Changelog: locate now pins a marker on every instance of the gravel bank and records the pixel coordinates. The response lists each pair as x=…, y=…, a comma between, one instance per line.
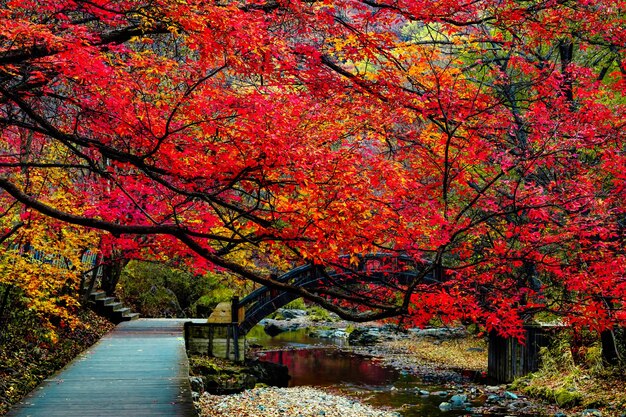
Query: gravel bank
x=286, y=402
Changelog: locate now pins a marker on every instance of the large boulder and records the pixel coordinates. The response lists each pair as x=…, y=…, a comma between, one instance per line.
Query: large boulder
x=458, y=402
x=366, y=336
x=291, y=313
x=269, y=373
x=275, y=327
x=197, y=384
x=220, y=376
x=440, y=332
x=329, y=334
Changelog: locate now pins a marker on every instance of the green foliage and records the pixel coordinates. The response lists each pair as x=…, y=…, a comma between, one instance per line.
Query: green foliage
x=575, y=379
x=221, y=375
x=567, y=397
x=16, y=317
x=156, y=290
x=204, y=365
x=593, y=358
x=474, y=329
x=205, y=304
x=146, y=287
x=350, y=328
x=557, y=357
x=214, y=291
x=565, y=393
x=276, y=315
x=317, y=313
x=297, y=304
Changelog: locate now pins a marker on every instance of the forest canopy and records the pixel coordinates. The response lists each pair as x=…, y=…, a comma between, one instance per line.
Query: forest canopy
x=483, y=139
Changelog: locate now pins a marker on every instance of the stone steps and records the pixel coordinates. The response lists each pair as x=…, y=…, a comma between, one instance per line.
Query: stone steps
x=110, y=308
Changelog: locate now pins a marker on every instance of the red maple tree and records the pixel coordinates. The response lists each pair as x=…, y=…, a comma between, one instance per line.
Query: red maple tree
x=484, y=139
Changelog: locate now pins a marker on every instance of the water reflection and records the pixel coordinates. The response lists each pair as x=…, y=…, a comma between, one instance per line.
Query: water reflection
x=296, y=338
x=353, y=375
x=360, y=377
x=324, y=367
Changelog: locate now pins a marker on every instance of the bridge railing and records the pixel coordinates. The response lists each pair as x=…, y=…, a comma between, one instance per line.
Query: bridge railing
x=384, y=269
x=89, y=260
x=380, y=265
x=219, y=340
x=268, y=299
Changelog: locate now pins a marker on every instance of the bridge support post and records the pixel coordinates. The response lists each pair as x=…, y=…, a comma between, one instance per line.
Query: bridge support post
x=228, y=332
x=210, y=344
x=235, y=326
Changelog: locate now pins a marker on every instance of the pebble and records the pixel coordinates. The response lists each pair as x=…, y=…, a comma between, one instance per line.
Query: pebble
x=458, y=401
x=445, y=406
x=285, y=402
x=510, y=395
x=493, y=399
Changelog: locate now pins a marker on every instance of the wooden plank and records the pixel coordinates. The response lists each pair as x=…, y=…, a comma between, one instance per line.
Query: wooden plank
x=139, y=369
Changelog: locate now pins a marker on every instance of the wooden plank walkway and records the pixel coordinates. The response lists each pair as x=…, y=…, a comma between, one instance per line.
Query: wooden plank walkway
x=139, y=369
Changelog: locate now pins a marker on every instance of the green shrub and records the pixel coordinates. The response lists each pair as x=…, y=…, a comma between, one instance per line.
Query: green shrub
x=317, y=313
x=564, y=376
x=157, y=290
x=203, y=365
x=297, y=304
x=205, y=304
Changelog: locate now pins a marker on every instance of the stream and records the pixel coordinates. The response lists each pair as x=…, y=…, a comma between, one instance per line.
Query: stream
x=319, y=362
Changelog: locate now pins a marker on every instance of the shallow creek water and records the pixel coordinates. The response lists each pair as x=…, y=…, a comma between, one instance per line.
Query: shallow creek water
x=318, y=362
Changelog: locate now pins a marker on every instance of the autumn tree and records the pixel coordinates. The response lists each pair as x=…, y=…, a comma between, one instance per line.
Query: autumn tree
x=482, y=139
x=41, y=266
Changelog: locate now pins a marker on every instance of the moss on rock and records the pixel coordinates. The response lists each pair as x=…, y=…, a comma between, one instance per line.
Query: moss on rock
x=567, y=397
x=221, y=376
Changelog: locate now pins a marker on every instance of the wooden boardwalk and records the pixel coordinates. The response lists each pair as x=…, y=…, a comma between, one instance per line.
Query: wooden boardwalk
x=139, y=369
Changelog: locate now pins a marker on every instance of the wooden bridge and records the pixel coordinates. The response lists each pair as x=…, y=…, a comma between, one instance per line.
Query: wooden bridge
x=380, y=269
x=507, y=357
x=228, y=324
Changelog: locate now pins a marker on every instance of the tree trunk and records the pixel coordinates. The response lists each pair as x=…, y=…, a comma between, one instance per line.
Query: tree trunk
x=614, y=346
x=112, y=271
